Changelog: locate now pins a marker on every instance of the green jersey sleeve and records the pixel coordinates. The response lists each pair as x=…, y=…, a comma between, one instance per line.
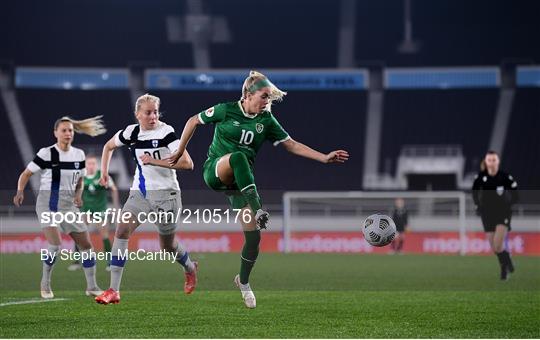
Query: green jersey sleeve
x=276, y=134
x=215, y=114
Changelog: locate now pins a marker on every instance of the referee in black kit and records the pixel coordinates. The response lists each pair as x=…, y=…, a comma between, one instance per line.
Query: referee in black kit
x=494, y=192
x=401, y=219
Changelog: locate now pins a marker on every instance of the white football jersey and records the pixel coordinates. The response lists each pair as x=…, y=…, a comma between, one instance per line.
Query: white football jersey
x=60, y=172
x=159, y=143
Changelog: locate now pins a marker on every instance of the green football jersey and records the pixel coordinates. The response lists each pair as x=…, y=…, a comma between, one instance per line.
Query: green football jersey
x=94, y=194
x=238, y=131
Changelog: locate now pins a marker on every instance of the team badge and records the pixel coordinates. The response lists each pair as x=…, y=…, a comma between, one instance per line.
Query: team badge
x=155, y=143
x=500, y=191
x=259, y=127
x=484, y=178
x=77, y=164
x=209, y=112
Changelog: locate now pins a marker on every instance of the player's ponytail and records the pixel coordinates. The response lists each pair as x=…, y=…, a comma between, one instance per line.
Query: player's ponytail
x=255, y=81
x=91, y=126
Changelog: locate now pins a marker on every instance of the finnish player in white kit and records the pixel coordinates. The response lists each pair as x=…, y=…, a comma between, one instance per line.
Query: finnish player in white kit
x=155, y=189
x=62, y=168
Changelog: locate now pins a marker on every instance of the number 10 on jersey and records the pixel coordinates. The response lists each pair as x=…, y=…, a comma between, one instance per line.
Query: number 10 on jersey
x=246, y=137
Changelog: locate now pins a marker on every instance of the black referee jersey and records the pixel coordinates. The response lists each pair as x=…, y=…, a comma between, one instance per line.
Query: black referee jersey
x=494, y=197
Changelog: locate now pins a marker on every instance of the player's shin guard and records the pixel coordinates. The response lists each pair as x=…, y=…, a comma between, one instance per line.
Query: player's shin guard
x=48, y=263
x=183, y=258
x=118, y=260
x=89, y=266
x=250, y=252
x=245, y=180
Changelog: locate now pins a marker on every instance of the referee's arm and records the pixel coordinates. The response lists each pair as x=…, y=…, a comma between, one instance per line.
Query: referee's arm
x=512, y=186
x=477, y=185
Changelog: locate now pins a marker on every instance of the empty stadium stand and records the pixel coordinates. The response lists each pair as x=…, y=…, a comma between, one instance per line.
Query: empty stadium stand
x=9, y=174
x=446, y=117
x=87, y=32
x=522, y=149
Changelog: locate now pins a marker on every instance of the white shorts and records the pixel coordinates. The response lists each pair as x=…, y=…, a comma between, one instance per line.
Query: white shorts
x=168, y=203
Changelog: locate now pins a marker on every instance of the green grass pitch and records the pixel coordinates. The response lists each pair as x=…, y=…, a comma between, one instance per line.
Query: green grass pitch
x=298, y=296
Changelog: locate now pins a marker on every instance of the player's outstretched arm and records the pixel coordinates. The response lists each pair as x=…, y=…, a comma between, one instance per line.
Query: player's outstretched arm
x=21, y=184
x=187, y=133
x=297, y=148
x=77, y=200
x=106, y=156
x=115, y=195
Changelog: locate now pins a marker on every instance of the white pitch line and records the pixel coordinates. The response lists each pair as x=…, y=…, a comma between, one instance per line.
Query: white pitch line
x=25, y=302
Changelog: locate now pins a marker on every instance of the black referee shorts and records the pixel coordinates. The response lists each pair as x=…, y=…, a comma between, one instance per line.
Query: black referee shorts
x=490, y=221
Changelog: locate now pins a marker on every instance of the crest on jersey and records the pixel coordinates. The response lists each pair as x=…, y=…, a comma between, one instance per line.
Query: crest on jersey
x=155, y=143
x=259, y=127
x=500, y=190
x=77, y=165
x=209, y=112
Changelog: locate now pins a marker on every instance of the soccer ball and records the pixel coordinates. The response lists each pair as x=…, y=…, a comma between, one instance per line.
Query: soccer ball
x=379, y=230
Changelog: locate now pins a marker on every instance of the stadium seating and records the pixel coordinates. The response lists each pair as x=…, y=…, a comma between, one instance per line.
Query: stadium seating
x=522, y=147
x=86, y=32
x=9, y=174
x=485, y=33
x=273, y=37
x=423, y=117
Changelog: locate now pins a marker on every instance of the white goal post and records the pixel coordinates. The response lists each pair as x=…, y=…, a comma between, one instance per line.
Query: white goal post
x=313, y=207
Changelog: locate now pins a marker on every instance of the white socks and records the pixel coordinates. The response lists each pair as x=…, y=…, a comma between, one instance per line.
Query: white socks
x=119, y=248
x=182, y=257
x=89, y=267
x=48, y=264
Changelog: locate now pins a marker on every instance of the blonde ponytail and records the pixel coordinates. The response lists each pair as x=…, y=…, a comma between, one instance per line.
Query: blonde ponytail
x=91, y=126
x=256, y=81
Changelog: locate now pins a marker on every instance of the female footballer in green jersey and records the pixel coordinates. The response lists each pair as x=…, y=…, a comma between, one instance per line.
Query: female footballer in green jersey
x=241, y=127
x=95, y=201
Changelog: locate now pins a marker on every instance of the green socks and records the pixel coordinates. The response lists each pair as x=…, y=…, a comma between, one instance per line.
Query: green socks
x=249, y=254
x=245, y=180
x=107, y=245
x=246, y=183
